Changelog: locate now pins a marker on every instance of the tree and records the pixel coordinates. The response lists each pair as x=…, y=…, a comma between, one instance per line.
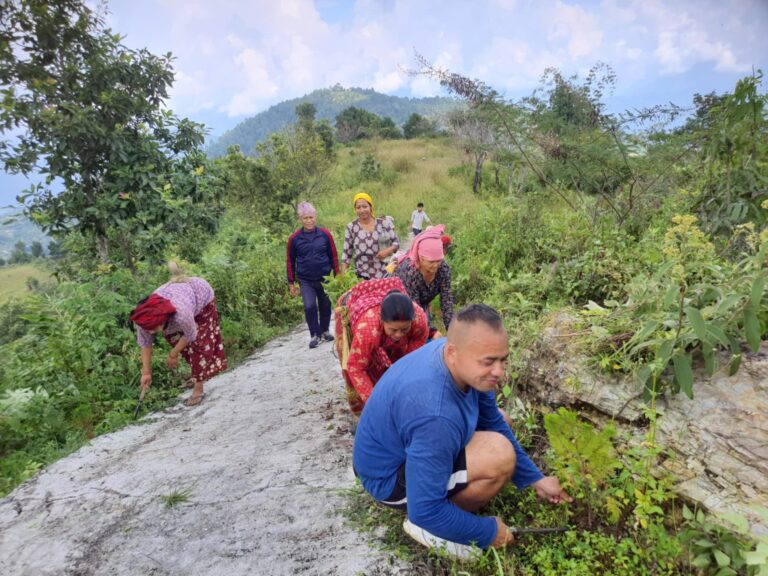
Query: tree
x=306, y=112
x=55, y=250
x=325, y=132
x=388, y=129
x=89, y=115
x=19, y=253
x=36, y=249
x=355, y=124
x=476, y=135
x=733, y=179
x=297, y=164
x=417, y=125
x=248, y=183
x=2, y=262
x=308, y=127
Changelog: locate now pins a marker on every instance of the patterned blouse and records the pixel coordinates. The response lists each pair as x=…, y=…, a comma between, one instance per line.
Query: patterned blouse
x=189, y=298
x=365, y=245
x=424, y=293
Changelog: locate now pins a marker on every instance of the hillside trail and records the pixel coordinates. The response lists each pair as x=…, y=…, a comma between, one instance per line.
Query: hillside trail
x=264, y=462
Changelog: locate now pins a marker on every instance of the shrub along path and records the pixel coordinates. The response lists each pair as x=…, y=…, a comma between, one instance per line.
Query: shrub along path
x=254, y=478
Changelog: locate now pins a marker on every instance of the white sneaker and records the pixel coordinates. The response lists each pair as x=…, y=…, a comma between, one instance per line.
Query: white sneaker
x=429, y=540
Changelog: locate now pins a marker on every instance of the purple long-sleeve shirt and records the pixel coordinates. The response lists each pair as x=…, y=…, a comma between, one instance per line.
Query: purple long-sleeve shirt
x=189, y=298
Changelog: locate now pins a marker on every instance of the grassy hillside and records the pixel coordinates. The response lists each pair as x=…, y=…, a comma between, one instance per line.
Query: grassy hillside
x=329, y=102
x=410, y=171
x=13, y=279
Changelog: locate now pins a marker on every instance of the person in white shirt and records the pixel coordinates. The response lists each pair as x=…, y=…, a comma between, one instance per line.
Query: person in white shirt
x=418, y=217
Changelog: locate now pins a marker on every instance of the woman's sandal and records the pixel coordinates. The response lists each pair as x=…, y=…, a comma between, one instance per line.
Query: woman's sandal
x=194, y=400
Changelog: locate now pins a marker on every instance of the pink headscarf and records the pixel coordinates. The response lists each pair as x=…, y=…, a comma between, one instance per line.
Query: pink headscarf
x=305, y=209
x=428, y=245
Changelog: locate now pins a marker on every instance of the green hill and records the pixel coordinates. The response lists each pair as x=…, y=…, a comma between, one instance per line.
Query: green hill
x=329, y=102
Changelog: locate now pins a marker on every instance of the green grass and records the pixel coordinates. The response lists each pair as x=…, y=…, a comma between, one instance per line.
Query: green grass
x=414, y=171
x=13, y=279
x=176, y=497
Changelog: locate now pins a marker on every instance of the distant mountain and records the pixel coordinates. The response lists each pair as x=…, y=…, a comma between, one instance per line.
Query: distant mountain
x=14, y=226
x=329, y=102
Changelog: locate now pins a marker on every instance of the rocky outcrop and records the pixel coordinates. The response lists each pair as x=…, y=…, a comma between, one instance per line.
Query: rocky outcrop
x=719, y=439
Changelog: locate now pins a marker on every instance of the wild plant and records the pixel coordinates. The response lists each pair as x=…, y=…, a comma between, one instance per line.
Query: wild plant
x=584, y=459
x=695, y=304
x=723, y=546
x=176, y=497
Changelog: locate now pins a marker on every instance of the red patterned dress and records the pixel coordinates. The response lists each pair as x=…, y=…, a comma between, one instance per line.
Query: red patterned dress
x=371, y=350
x=197, y=320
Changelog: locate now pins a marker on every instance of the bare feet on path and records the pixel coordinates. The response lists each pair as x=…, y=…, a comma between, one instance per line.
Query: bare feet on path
x=249, y=482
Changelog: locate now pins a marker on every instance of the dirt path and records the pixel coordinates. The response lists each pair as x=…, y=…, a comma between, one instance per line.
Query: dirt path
x=264, y=460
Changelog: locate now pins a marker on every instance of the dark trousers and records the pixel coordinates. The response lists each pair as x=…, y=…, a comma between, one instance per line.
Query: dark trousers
x=317, y=306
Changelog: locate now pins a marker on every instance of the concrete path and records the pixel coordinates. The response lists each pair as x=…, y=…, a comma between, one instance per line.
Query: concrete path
x=264, y=461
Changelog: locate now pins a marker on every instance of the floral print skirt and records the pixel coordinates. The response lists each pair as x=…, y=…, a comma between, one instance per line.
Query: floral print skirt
x=206, y=354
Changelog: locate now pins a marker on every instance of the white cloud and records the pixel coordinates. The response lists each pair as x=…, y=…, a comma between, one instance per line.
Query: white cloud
x=299, y=65
x=245, y=55
x=423, y=87
x=623, y=52
x=579, y=27
x=619, y=15
x=687, y=38
x=387, y=82
x=258, y=86
x=509, y=5
x=191, y=89
x=448, y=59
x=513, y=65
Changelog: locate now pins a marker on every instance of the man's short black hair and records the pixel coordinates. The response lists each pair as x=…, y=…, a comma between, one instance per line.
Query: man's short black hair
x=475, y=313
x=420, y=205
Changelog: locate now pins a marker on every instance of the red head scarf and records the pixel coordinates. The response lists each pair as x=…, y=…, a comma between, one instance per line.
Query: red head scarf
x=370, y=293
x=152, y=312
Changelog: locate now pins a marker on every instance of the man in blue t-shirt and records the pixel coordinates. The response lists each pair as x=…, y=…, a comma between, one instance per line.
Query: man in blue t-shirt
x=431, y=439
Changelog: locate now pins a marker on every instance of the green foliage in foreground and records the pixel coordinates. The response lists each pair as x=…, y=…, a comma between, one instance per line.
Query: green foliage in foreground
x=639, y=540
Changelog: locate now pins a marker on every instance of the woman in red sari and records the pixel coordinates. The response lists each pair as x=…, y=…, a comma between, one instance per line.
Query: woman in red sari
x=384, y=325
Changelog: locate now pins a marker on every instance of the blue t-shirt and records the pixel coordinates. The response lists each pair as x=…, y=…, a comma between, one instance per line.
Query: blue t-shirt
x=417, y=415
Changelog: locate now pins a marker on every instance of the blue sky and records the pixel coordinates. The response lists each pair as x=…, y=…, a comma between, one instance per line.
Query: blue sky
x=235, y=58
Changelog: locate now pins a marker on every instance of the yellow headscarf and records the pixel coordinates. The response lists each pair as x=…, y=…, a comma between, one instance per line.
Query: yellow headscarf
x=363, y=196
